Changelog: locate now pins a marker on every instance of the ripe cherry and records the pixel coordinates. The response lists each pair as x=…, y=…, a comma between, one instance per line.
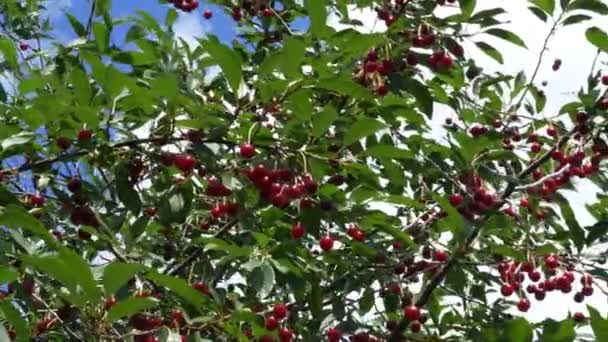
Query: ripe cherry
x=280, y=311
x=207, y=14
x=578, y=317
x=24, y=46
x=37, y=200
x=247, y=150
x=535, y=147
x=411, y=313
x=201, y=287
x=551, y=131
x=109, y=302
x=85, y=135
x=285, y=335
x=326, y=243
x=271, y=323
x=507, y=290
x=267, y=12
x=605, y=80
x=334, y=335
x=524, y=202
x=456, y=200
x=184, y=162
x=63, y=143
x=74, y=185
x=441, y=256
x=297, y=230
x=523, y=305
x=415, y=327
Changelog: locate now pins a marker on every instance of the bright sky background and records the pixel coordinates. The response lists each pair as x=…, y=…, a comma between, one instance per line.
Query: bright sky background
x=569, y=45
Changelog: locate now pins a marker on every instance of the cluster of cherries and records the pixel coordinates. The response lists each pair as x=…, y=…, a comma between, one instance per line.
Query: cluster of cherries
x=372, y=71
x=272, y=321
x=185, y=5
x=512, y=276
x=281, y=186
x=481, y=198
x=251, y=8
x=334, y=334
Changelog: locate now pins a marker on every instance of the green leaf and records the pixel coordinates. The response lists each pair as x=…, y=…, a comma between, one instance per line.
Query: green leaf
x=597, y=231
x=490, y=51
x=366, y=302
x=362, y=128
x=538, y=13
x=546, y=5
x=519, y=330
x=76, y=25
x=14, y=318
x=59, y=271
x=300, y=104
x=17, y=217
x=598, y=38
x=575, y=19
x=181, y=288
x=9, y=51
x=454, y=219
x=506, y=35
x=599, y=324
x=227, y=59
x=171, y=17
x=130, y=306
x=388, y=151
x=424, y=99
x=576, y=232
x=558, y=331
x=82, y=88
x=20, y=138
x=102, y=36
x=117, y=274
x=292, y=56
x=125, y=191
x=84, y=277
x=564, y=3
x=323, y=120
x=3, y=95
x=7, y=275
x=177, y=204
x=597, y=6
x=467, y=7
x=262, y=279
x=345, y=86
x=317, y=11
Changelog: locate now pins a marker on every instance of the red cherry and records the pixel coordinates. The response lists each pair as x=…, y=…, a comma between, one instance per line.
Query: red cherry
x=497, y=123
x=201, y=287
x=37, y=200
x=24, y=46
x=247, y=150
x=441, y=256
x=535, y=147
x=382, y=89
x=524, y=202
x=507, y=290
x=280, y=311
x=456, y=200
x=551, y=131
x=415, y=327
x=326, y=243
x=523, y=305
x=285, y=335
x=218, y=211
x=184, y=162
x=267, y=12
x=266, y=338
x=534, y=276
x=411, y=313
x=587, y=291
x=150, y=211
x=297, y=230
x=85, y=135
x=271, y=323
x=63, y=143
x=334, y=335
x=74, y=185
x=605, y=80
x=109, y=302
x=370, y=67
x=207, y=14
x=579, y=316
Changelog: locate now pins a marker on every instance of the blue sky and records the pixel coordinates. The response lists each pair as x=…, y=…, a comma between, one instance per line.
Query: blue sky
x=188, y=25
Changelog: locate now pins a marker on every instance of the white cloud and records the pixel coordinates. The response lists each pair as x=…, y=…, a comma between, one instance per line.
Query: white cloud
x=367, y=18
x=190, y=27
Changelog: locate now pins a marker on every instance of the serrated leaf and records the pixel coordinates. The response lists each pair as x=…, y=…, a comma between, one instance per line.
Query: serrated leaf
x=227, y=59
x=317, y=12
x=597, y=6
x=490, y=51
x=558, y=331
x=14, y=318
x=546, y=5
x=467, y=7
x=262, y=279
x=125, y=191
x=76, y=25
x=597, y=231
x=576, y=232
x=388, y=151
x=519, y=330
x=599, y=324
x=597, y=37
x=366, y=302
x=538, y=13
x=181, y=288
x=130, y=306
x=345, y=86
x=9, y=51
x=506, y=35
x=323, y=120
x=424, y=99
x=362, y=128
x=7, y=275
x=292, y=56
x=102, y=36
x=575, y=19
x=117, y=274
x=84, y=276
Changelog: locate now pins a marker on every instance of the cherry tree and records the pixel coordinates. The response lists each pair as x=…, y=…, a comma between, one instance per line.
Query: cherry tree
x=290, y=185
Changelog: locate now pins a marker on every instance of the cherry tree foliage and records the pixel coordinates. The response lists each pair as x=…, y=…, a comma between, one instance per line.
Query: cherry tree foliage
x=301, y=193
